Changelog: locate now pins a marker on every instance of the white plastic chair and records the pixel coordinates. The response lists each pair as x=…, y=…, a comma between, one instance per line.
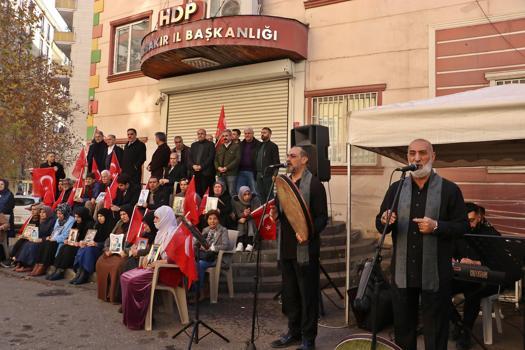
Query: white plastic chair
x=179, y=294
x=487, y=305
x=215, y=271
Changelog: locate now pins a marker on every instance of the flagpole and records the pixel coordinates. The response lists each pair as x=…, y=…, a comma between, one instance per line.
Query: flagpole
x=257, y=245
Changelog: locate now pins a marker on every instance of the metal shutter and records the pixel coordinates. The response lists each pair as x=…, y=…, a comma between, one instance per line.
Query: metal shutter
x=256, y=104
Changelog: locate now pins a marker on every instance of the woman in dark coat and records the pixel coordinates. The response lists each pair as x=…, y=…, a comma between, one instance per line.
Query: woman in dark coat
x=224, y=207
x=66, y=256
x=7, y=205
x=149, y=231
x=34, y=220
x=29, y=252
x=87, y=255
x=109, y=265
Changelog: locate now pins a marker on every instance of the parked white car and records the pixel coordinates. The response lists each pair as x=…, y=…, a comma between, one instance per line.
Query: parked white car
x=23, y=208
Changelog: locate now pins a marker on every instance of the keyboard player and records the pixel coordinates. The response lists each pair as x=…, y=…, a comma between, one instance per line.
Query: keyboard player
x=473, y=292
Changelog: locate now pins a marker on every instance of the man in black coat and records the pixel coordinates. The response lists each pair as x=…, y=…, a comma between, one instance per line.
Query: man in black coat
x=299, y=259
x=267, y=154
x=183, y=153
x=158, y=195
x=161, y=156
x=97, y=151
x=247, y=169
x=127, y=194
x=428, y=216
x=59, y=168
x=201, y=159
x=134, y=157
x=112, y=149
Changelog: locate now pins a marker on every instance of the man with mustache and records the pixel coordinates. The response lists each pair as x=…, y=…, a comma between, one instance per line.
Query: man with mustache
x=428, y=216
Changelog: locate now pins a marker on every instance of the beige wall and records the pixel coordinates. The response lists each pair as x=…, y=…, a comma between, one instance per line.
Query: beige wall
x=350, y=44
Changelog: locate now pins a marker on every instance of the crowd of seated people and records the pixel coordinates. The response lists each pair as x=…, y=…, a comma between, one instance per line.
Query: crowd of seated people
x=77, y=233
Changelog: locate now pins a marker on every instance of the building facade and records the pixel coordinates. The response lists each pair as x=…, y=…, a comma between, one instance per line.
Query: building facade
x=159, y=66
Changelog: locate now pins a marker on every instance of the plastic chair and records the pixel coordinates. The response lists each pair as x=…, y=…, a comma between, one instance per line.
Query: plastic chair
x=215, y=271
x=487, y=305
x=179, y=294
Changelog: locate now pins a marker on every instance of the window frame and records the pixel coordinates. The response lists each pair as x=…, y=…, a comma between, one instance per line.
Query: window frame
x=114, y=25
x=341, y=169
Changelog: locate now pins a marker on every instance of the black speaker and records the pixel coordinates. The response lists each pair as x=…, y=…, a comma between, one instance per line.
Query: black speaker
x=314, y=139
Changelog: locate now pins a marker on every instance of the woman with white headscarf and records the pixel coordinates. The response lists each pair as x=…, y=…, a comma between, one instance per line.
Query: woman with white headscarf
x=136, y=283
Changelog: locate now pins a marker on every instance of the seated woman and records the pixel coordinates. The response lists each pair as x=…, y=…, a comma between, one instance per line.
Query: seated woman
x=66, y=255
x=224, y=207
x=149, y=232
x=34, y=220
x=136, y=283
x=29, y=252
x=243, y=204
x=49, y=247
x=217, y=239
x=89, y=252
x=109, y=265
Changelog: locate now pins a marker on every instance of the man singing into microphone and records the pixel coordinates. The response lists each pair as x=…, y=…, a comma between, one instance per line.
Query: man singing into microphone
x=300, y=259
x=429, y=214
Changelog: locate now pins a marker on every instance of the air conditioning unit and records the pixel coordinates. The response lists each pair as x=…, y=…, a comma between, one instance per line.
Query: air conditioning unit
x=221, y=8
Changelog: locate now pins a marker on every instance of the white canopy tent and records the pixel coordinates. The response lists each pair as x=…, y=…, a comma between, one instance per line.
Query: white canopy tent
x=474, y=128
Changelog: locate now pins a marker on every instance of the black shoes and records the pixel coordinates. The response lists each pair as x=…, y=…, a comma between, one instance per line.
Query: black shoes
x=82, y=278
x=286, y=340
x=9, y=263
x=57, y=275
x=307, y=345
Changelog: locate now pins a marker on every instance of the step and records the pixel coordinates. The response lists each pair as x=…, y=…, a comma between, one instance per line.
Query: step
x=272, y=284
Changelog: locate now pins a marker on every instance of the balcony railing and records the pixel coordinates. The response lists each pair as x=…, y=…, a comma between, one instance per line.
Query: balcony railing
x=66, y=5
x=64, y=37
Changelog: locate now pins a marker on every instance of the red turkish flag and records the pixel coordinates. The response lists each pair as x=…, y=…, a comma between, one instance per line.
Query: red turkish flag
x=44, y=184
x=268, y=228
x=203, y=202
x=80, y=163
x=221, y=126
x=94, y=170
x=59, y=200
x=111, y=193
x=180, y=250
x=191, y=207
x=114, y=167
x=135, y=225
x=78, y=184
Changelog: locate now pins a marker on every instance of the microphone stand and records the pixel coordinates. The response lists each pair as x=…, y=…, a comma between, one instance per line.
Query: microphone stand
x=377, y=262
x=257, y=247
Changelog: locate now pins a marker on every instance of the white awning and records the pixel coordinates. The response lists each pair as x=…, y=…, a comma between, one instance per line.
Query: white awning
x=473, y=128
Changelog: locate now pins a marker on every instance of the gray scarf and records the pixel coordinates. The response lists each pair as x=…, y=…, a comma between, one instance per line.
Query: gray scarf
x=303, y=255
x=430, y=276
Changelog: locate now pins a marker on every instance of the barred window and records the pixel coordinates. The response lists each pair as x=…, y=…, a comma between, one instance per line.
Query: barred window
x=333, y=112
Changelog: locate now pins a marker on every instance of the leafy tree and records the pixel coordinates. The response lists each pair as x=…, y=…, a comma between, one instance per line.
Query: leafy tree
x=36, y=110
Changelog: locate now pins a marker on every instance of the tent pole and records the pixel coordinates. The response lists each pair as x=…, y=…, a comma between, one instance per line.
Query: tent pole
x=348, y=229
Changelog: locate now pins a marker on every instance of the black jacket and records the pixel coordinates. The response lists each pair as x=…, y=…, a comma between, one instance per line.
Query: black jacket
x=134, y=157
x=130, y=197
x=119, y=152
x=98, y=152
x=202, y=153
x=185, y=158
x=252, y=155
x=159, y=160
x=267, y=154
x=174, y=175
x=160, y=197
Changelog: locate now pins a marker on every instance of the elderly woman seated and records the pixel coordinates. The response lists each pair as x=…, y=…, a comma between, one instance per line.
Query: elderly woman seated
x=33, y=220
x=136, y=283
x=216, y=237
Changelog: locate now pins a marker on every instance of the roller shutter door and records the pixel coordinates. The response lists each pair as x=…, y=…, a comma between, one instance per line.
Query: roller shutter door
x=256, y=105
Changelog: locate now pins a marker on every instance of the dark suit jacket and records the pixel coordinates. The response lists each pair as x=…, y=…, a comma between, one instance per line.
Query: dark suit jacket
x=119, y=152
x=174, y=175
x=97, y=151
x=134, y=157
x=203, y=154
x=130, y=197
x=269, y=154
x=159, y=160
x=160, y=197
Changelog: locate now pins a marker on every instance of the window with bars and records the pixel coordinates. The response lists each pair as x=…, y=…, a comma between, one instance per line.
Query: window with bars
x=510, y=81
x=128, y=37
x=333, y=112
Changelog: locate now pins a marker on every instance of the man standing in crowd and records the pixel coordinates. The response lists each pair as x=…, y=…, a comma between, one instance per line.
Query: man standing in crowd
x=267, y=154
x=236, y=136
x=227, y=161
x=429, y=215
x=173, y=173
x=473, y=292
x=300, y=259
x=161, y=156
x=59, y=168
x=202, y=155
x=112, y=148
x=134, y=157
x=183, y=153
x=246, y=175
x=97, y=151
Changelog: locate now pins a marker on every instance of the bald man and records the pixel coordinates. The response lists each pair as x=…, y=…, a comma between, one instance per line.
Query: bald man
x=201, y=162
x=429, y=215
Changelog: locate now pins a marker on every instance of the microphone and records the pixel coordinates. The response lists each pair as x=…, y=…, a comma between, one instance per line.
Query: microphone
x=409, y=167
x=280, y=165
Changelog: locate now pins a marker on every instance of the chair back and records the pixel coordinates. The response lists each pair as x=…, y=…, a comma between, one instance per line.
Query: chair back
x=232, y=236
